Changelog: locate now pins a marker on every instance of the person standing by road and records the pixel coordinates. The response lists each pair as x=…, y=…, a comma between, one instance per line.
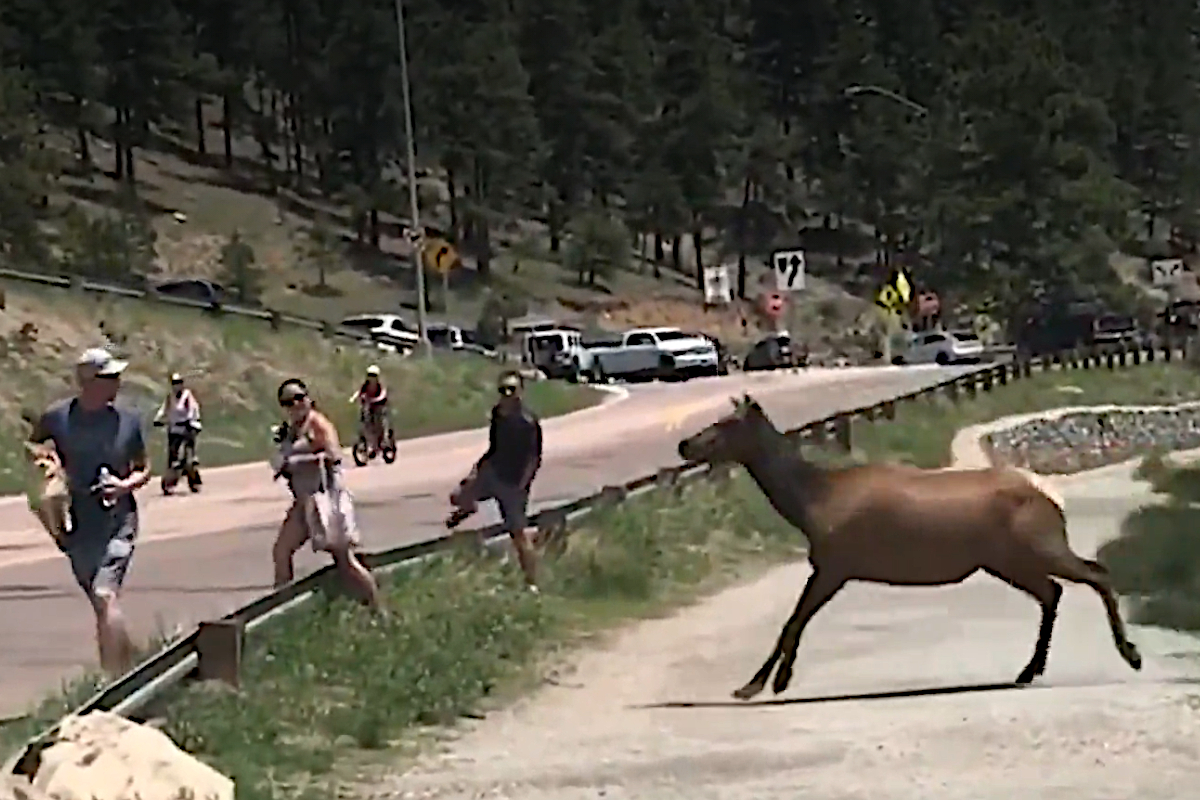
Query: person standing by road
x=506, y=471
x=103, y=452
x=310, y=458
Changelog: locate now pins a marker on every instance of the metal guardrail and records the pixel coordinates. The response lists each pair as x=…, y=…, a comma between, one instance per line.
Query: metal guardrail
x=176, y=662
x=275, y=319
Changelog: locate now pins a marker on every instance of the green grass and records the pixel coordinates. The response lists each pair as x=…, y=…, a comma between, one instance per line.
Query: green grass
x=462, y=630
x=328, y=691
x=234, y=366
x=1156, y=559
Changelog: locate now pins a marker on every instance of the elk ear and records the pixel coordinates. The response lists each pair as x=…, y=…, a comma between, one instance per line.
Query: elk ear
x=736, y=403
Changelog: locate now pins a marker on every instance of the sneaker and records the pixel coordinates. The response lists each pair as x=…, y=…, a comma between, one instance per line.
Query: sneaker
x=534, y=589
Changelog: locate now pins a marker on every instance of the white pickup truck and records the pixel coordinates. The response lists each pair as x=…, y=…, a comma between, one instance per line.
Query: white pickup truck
x=686, y=355
x=639, y=354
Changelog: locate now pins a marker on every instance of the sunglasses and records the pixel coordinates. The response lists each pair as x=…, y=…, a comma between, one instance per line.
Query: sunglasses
x=292, y=401
x=507, y=390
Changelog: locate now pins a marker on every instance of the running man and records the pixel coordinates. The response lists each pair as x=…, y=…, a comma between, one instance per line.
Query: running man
x=94, y=437
x=506, y=471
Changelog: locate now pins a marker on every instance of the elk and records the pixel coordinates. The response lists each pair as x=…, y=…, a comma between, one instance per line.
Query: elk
x=901, y=525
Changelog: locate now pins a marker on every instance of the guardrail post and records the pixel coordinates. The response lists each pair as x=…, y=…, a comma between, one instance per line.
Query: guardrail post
x=77, y=284
x=327, y=329
x=1136, y=355
x=1111, y=359
x=219, y=651
x=843, y=430
x=815, y=432
x=1167, y=346
x=951, y=392
x=276, y=320
x=610, y=496
x=986, y=380
x=1002, y=374
x=969, y=385
x=552, y=531
x=1150, y=352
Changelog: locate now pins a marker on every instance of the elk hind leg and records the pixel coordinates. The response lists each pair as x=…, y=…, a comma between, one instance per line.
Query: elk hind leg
x=1048, y=593
x=817, y=592
x=1092, y=573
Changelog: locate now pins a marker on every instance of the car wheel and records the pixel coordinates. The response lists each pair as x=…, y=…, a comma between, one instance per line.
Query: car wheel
x=942, y=358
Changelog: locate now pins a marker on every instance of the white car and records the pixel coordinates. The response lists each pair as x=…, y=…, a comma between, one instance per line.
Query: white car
x=390, y=331
x=942, y=347
x=690, y=354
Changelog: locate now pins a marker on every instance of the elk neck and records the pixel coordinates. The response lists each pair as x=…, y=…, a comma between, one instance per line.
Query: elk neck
x=795, y=486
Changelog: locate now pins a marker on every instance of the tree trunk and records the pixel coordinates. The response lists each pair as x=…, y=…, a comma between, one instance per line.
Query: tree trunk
x=85, y=150
x=451, y=190
x=119, y=143
x=747, y=189
x=554, y=223
x=130, y=176
x=658, y=251
x=227, y=127
x=198, y=111
x=677, y=252
x=697, y=243
x=374, y=227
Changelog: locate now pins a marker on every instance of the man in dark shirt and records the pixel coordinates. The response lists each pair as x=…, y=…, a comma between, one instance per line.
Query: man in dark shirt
x=506, y=471
x=94, y=437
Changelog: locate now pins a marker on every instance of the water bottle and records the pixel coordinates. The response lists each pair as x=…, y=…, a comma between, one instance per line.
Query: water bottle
x=103, y=479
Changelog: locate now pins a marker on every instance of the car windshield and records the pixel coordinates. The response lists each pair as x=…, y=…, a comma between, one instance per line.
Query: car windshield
x=1112, y=322
x=439, y=336
x=965, y=336
x=666, y=336
x=548, y=344
x=362, y=322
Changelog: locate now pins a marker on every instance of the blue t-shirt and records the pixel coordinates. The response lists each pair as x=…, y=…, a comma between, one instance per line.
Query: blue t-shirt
x=86, y=441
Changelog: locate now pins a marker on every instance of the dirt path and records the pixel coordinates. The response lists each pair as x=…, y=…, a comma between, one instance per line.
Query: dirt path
x=1091, y=728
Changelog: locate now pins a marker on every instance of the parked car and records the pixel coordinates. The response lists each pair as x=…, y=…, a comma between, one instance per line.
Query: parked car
x=774, y=351
x=942, y=347
x=389, y=330
x=196, y=289
x=563, y=353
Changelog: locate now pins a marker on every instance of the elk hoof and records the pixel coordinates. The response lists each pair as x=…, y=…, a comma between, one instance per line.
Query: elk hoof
x=749, y=690
x=1132, y=656
x=1029, y=673
x=782, y=678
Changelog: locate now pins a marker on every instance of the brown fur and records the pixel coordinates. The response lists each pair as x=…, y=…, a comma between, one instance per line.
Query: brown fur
x=905, y=526
x=49, y=503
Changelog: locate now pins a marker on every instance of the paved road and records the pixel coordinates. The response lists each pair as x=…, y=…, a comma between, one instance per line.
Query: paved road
x=1090, y=728
x=202, y=556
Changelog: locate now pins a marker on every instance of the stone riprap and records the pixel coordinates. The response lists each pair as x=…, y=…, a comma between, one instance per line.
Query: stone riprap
x=1085, y=440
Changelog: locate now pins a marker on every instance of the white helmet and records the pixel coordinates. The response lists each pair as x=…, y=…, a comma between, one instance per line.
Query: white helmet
x=372, y=371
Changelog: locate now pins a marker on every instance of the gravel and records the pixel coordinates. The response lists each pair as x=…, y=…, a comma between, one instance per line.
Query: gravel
x=1087, y=440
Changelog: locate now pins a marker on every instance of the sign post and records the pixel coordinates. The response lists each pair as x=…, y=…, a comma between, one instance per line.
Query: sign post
x=790, y=268
x=893, y=298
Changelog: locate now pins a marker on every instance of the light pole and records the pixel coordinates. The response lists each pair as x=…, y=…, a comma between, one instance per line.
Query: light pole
x=912, y=105
x=415, y=236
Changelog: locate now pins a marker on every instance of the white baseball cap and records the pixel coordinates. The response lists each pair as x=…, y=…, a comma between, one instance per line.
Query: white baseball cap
x=99, y=363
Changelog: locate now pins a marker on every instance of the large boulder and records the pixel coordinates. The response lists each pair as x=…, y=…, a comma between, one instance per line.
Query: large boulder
x=101, y=756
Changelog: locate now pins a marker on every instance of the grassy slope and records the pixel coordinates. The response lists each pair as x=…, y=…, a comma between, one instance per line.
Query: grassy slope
x=234, y=366
x=464, y=635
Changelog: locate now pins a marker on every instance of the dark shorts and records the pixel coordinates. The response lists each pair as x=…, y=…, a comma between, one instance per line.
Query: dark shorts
x=100, y=551
x=512, y=500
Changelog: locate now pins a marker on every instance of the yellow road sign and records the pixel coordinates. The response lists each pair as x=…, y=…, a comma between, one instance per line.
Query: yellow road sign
x=894, y=296
x=439, y=255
